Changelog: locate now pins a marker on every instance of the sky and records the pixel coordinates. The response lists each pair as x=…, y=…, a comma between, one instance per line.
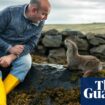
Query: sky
x=69, y=11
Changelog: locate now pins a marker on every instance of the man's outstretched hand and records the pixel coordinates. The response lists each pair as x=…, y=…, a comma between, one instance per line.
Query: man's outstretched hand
x=14, y=51
x=6, y=61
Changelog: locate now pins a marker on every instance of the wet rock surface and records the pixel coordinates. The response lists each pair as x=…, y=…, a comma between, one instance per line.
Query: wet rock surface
x=47, y=84
x=42, y=76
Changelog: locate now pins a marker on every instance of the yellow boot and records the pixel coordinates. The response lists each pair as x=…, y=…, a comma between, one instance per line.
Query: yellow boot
x=2, y=93
x=10, y=83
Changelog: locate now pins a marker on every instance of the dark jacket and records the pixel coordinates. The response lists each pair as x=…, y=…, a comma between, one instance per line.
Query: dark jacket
x=16, y=29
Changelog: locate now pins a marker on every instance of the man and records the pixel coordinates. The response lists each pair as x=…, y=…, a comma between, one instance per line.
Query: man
x=20, y=29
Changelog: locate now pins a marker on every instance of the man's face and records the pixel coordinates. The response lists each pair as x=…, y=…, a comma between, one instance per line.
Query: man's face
x=41, y=13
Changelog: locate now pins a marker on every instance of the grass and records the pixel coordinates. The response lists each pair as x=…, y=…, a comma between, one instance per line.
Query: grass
x=98, y=28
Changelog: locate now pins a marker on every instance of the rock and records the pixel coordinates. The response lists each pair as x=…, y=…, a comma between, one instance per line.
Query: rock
x=100, y=36
x=57, y=55
x=52, y=40
x=94, y=40
x=42, y=76
x=72, y=33
x=49, y=84
x=98, y=50
x=52, y=32
x=81, y=52
x=82, y=44
x=90, y=36
x=41, y=50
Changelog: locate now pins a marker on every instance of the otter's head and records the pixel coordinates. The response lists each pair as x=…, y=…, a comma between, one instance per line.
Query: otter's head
x=71, y=46
x=68, y=43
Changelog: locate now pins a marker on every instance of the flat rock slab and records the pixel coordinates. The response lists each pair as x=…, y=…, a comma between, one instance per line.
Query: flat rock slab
x=42, y=76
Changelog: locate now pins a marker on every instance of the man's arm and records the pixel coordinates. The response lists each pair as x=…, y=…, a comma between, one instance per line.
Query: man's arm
x=32, y=43
x=4, y=21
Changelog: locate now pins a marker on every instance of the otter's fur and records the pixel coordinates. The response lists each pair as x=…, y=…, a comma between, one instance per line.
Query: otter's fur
x=82, y=62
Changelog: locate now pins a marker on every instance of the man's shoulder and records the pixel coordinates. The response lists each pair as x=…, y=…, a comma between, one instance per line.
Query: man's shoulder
x=15, y=7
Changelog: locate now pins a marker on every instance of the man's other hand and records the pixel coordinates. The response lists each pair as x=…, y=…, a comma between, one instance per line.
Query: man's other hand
x=6, y=61
x=17, y=49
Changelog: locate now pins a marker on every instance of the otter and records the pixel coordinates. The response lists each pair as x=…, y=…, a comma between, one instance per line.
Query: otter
x=75, y=61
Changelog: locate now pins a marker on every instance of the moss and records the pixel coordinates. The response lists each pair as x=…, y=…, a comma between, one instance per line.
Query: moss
x=57, y=96
x=99, y=74
x=44, y=59
x=39, y=58
x=75, y=75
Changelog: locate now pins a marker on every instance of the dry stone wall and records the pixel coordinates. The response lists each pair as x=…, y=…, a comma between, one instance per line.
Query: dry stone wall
x=51, y=44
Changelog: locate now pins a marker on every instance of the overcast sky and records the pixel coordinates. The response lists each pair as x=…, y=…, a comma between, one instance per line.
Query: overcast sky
x=69, y=11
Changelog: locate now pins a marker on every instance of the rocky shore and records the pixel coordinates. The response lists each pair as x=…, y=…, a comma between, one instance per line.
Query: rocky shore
x=49, y=82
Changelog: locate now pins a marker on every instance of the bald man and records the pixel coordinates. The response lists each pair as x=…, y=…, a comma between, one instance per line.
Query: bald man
x=20, y=30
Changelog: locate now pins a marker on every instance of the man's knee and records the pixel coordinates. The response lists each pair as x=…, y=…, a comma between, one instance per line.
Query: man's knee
x=24, y=62
x=21, y=66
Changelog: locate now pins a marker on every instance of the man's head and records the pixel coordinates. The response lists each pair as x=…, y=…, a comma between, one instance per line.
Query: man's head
x=38, y=10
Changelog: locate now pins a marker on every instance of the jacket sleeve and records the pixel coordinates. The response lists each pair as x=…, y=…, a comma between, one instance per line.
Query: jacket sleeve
x=4, y=21
x=32, y=43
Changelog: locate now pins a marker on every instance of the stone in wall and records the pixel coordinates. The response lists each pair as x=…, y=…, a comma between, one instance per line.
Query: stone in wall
x=72, y=33
x=98, y=50
x=57, y=55
x=94, y=40
x=41, y=49
x=78, y=37
x=81, y=52
x=52, y=40
x=100, y=36
x=52, y=32
x=82, y=44
x=97, y=41
x=89, y=43
x=90, y=36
